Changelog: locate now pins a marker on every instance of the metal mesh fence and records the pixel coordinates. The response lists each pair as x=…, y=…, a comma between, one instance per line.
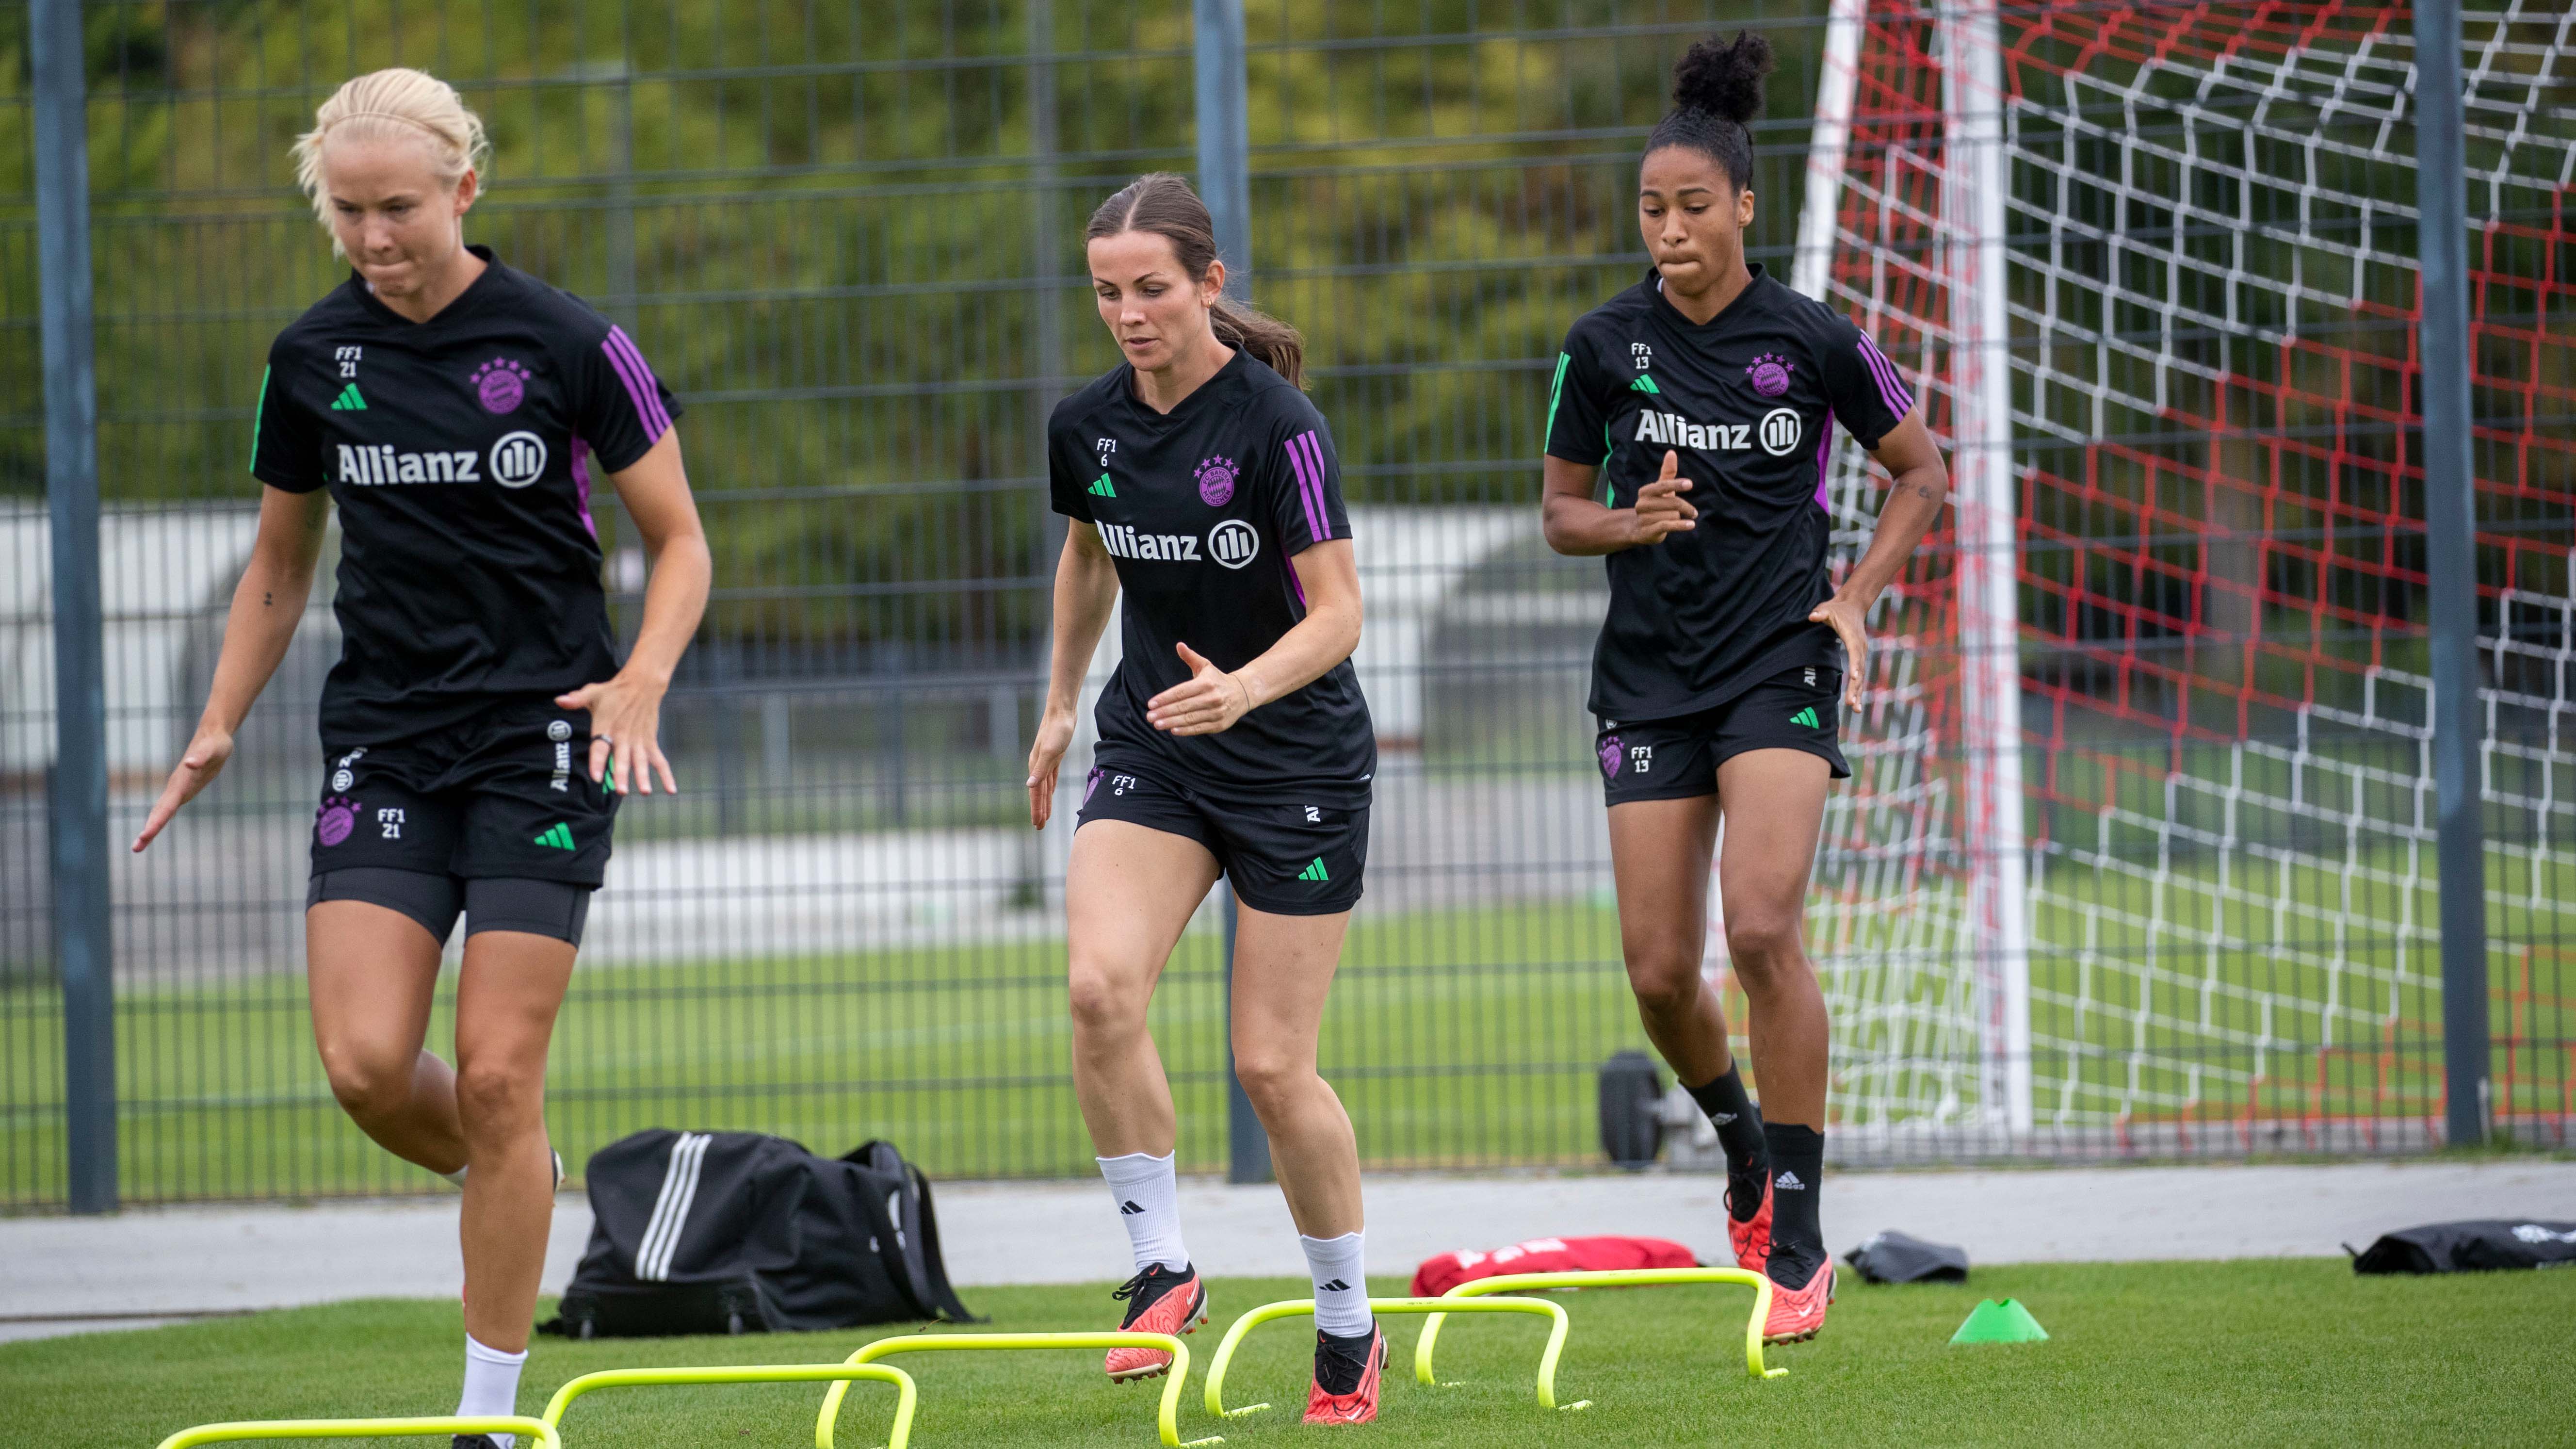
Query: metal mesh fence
x=848, y=238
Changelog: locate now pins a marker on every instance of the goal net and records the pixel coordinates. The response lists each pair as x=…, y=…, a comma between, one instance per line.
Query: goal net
x=2152, y=269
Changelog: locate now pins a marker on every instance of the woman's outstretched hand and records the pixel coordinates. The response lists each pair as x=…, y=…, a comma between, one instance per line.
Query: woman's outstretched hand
x=1849, y=620
x=197, y=768
x=625, y=734
x=1207, y=703
x=1046, y=756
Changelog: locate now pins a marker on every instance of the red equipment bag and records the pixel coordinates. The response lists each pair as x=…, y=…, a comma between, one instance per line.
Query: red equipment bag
x=1547, y=1255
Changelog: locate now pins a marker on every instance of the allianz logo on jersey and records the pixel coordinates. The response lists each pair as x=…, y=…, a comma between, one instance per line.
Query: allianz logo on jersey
x=1232, y=543
x=516, y=460
x=1778, y=433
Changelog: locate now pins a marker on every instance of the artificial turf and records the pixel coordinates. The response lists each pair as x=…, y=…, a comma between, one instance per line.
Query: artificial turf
x=2247, y=1353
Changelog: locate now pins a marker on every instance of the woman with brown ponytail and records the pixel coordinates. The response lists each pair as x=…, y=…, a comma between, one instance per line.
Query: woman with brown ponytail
x=1233, y=742
x=1708, y=393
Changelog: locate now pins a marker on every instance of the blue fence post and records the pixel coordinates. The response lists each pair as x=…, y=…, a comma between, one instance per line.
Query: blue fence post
x=1225, y=184
x=1247, y=1143
x=2450, y=525
x=78, y=800
x=1225, y=139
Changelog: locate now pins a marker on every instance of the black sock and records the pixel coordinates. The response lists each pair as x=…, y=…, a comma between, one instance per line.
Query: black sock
x=1797, y=1176
x=1739, y=1131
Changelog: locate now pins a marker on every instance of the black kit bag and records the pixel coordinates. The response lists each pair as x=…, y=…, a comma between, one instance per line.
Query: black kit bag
x=1894, y=1257
x=2470, y=1247
x=737, y=1232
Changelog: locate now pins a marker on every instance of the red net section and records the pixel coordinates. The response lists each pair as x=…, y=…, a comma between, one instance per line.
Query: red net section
x=2223, y=592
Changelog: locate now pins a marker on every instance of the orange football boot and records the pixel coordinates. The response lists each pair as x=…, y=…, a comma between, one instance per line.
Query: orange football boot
x=1752, y=1238
x=1796, y=1313
x=1158, y=1301
x=1334, y=1359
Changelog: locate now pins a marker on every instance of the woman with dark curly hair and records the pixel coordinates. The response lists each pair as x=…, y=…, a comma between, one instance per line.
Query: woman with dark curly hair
x=1707, y=393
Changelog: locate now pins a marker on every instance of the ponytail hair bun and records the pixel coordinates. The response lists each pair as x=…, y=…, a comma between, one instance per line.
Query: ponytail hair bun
x=1717, y=91
x=1724, y=78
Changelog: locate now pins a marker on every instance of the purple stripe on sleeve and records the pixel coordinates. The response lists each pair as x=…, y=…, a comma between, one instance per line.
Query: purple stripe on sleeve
x=1305, y=489
x=660, y=417
x=625, y=374
x=1296, y=583
x=636, y=393
x=640, y=388
x=1314, y=447
x=1323, y=504
x=1824, y=442
x=1891, y=387
x=581, y=485
x=652, y=385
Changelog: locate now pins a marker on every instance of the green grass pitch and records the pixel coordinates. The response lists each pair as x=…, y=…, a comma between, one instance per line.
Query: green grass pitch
x=2266, y=1352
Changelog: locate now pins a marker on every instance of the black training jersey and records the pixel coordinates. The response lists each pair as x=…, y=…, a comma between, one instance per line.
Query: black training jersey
x=1748, y=400
x=460, y=452
x=1201, y=508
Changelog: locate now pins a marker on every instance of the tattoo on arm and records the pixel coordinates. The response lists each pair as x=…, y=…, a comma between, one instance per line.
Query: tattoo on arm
x=267, y=600
x=1927, y=492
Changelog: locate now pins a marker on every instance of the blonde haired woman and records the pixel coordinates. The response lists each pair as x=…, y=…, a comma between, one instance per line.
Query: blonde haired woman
x=478, y=730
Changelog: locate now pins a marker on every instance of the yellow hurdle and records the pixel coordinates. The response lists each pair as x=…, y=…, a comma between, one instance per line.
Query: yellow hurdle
x=540, y=1434
x=1437, y=1307
x=1167, y=1418
x=1611, y=1278
x=837, y=1374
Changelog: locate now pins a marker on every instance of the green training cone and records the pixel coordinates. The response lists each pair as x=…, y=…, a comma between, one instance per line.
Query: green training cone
x=2004, y=1322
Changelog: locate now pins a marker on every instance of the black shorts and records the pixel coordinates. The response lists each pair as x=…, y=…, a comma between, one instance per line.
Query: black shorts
x=505, y=796
x=1287, y=859
x=1677, y=759
x=488, y=903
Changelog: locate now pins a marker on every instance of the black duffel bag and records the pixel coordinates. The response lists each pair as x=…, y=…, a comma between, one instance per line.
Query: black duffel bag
x=2470, y=1247
x=1894, y=1257
x=737, y=1232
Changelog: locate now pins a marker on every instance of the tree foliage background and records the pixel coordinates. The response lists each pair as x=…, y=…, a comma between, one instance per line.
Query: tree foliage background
x=848, y=235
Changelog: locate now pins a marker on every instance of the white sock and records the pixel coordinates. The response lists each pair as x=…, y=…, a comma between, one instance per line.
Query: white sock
x=1148, y=1194
x=1340, y=1268
x=491, y=1386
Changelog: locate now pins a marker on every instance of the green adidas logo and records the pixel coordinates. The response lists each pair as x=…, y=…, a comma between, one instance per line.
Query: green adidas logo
x=1645, y=384
x=558, y=835
x=1315, y=871
x=1101, y=488
x=348, y=401
x=1807, y=717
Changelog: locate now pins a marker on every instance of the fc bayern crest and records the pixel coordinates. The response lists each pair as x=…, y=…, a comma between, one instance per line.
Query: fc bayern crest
x=335, y=820
x=1770, y=374
x=1216, y=481
x=500, y=385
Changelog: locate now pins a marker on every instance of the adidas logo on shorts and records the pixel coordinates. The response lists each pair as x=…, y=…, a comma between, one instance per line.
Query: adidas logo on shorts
x=1315, y=872
x=1808, y=718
